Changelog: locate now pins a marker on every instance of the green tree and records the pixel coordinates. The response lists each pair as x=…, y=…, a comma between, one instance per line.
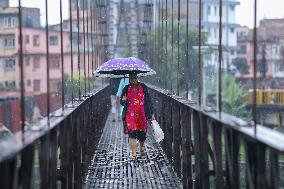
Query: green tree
x=2, y=87
x=241, y=65
x=164, y=61
x=232, y=97
x=68, y=86
x=9, y=88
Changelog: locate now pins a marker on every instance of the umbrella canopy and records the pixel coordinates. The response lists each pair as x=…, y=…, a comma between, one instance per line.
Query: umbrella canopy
x=123, y=66
x=151, y=72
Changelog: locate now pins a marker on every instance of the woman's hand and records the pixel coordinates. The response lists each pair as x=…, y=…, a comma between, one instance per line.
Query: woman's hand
x=124, y=98
x=153, y=117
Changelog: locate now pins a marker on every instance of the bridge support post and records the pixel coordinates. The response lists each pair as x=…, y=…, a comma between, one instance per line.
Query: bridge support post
x=201, y=150
x=186, y=147
x=217, y=155
x=169, y=134
x=53, y=158
x=26, y=170
x=76, y=144
x=176, y=138
x=8, y=177
x=232, y=146
x=44, y=155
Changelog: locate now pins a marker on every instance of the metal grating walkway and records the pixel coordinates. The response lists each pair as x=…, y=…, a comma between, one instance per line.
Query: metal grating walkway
x=111, y=166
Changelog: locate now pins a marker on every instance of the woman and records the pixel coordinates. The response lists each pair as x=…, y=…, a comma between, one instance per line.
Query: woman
x=123, y=82
x=137, y=109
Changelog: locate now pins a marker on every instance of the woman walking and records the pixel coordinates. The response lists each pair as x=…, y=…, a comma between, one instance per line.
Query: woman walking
x=137, y=109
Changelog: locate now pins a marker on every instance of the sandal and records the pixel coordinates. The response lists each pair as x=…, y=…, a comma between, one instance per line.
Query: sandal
x=133, y=158
x=143, y=152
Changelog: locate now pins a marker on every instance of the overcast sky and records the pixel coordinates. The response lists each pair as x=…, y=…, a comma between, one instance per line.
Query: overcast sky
x=244, y=12
x=53, y=7
x=265, y=9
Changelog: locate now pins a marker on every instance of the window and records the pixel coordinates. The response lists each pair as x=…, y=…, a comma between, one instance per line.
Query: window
x=208, y=10
x=28, y=82
x=27, y=60
x=9, y=42
x=54, y=62
x=215, y=10
x=36, y=85
x=36, y=40
x=74, y=26
x=232, y=30
x=36, y=62
x=10, y=84
x=9, y=22
x=276, y=50
x=28, y=21
x=53, y=40
x=27, y=39
x=242, y=49
x=241, y=34
x=9, y=64
x=232, y=8
x=75, y=39
x=54, y=85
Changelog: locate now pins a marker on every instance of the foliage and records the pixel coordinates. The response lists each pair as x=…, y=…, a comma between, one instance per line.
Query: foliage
x=232, y=97
x=9, y=88
x=68, y=86
x=165, y=60
x=241, y=65
x=125, y=53
x=2, y=88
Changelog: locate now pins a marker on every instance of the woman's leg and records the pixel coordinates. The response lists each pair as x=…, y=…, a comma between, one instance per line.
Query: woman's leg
x=113, y=107
x=142, y=149
x=133, y=146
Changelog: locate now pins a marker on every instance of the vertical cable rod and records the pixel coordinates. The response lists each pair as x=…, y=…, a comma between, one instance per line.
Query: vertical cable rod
x=162, y=38
x=187, y=53
x=23, y=117
x=78, y=41
x=71, y=49
x=84, y=48
x=199, y=56
x=178, y=41
x=219, y=103
x=62, y=58
x=88, y=41
x=92, y=38
x=95, y=34
x=166, y=47
x=172, y=42
x=254, y=109
x=47, y=62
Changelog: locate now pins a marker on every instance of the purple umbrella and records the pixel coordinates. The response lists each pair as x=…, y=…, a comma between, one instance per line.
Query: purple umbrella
x=122, y=66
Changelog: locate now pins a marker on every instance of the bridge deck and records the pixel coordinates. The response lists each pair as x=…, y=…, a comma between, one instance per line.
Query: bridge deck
x=111, y=166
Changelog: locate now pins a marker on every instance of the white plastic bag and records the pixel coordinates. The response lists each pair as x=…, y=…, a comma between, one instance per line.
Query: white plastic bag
x=158, y=132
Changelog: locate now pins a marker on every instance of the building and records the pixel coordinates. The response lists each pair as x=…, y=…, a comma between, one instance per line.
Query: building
x=270, y=52
x=34, y=50
x=130, y=23
x=245, y=51
x=10, y=42
x=4, y=3
x=210, y=25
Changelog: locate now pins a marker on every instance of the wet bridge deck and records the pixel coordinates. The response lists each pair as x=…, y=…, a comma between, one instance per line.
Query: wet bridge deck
x=112, y=167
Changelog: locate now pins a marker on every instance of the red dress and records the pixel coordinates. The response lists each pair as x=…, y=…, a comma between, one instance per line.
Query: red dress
x=135, y=114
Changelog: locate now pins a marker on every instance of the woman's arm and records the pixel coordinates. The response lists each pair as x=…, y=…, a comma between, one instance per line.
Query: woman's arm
x=123, y=98
x=148, y=103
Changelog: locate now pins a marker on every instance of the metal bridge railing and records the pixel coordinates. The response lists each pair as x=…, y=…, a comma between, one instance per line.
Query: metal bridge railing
x=212, y=151
x=60, y=152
